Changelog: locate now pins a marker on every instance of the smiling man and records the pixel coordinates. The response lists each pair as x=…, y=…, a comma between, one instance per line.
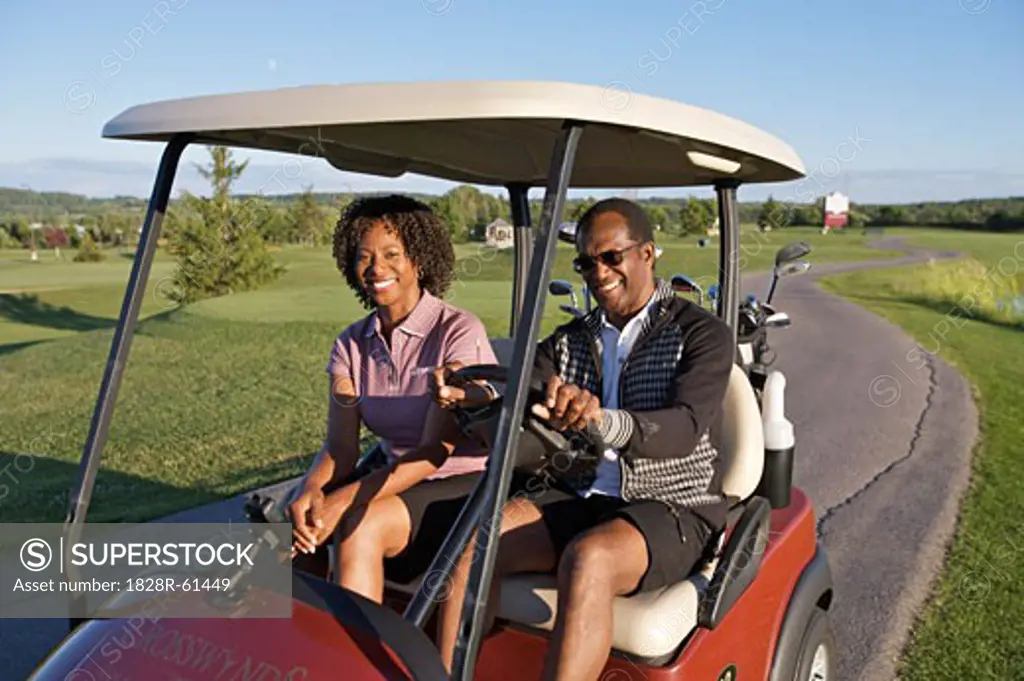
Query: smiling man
x=650, y=370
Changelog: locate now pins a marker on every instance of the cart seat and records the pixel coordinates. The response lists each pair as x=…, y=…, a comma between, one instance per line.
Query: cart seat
x=502, y=350
x=654, y=624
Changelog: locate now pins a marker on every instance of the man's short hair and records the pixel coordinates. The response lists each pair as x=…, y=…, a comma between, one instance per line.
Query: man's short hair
x=637, y=220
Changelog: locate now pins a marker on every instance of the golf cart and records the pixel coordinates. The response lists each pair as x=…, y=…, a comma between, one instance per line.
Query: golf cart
x=757, y=609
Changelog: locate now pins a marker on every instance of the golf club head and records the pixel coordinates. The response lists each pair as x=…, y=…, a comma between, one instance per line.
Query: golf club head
x=747, y=320
x=683, y=284
x=792, y=251
x=796, y=267
x=572, y=310
x=560, y=287
x=779, y=320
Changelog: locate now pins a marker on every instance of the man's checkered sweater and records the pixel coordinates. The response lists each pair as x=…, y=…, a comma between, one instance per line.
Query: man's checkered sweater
x=671, y=390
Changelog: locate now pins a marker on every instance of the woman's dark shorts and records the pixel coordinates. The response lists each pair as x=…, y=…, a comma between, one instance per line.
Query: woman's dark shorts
x=434, y=506
x=677, y=539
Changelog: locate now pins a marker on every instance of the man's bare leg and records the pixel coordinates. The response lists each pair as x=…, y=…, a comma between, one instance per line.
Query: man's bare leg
x=600, y=564
x=524, y=547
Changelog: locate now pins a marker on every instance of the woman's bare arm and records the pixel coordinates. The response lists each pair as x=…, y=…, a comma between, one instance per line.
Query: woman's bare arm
x=340, y=451
x=440, y=436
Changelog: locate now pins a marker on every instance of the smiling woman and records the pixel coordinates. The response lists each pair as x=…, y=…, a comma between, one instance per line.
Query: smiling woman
x=396, y=255
x=407, y=233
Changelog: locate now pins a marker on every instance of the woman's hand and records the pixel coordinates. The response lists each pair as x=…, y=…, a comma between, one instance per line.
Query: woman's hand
x=452, y=392
x=306, y=514
x=325, y=515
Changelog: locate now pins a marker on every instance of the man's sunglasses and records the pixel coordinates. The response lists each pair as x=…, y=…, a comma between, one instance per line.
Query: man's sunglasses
x=584, y=263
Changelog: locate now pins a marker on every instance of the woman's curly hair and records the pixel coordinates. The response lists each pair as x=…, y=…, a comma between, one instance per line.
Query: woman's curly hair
x=426, y=240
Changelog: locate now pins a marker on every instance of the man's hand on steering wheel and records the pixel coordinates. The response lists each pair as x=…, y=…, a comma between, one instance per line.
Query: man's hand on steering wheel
x=568, y=407
x=450, y=392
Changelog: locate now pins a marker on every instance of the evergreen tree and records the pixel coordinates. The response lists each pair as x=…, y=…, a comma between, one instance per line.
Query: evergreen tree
x=222, y=172
x=218, y=242
x=306, y=219
x=772, y=215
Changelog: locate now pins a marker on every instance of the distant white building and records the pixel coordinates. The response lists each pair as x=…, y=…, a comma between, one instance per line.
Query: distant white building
x=499, y=234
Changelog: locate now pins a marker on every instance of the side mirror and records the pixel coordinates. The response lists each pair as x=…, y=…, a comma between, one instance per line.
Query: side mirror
x=792, y=251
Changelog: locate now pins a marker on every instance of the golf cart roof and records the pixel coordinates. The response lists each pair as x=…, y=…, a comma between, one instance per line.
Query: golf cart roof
x=478, y=132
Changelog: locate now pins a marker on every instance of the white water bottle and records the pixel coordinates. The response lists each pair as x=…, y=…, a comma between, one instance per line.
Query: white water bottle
x=778, y=431
x=779, y=443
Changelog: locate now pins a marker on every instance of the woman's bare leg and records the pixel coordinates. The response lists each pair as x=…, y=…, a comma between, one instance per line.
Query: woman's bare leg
x=381, y=531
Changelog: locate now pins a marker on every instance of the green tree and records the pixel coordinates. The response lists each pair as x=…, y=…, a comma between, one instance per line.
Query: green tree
x=659, y=217
x=442, y=207
x=221, y=173
x=858, y=218
x=217, y=242
x=805, y=215
x=583, y=206
x=890, y=216
x=306, y=221
x=694, y=217
x=8, y=241
x=772, y=215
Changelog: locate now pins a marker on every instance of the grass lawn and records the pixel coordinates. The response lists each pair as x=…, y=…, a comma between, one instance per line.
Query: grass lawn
x=229, y=393
x=56, y=298
x=973, y=627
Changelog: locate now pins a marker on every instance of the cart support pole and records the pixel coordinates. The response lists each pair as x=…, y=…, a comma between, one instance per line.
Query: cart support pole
x=729, y=246
x=498, y=477
x=78, y=504
x=522, y=227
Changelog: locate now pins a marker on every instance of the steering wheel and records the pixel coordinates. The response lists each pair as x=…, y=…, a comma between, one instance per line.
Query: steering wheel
x=539, y=443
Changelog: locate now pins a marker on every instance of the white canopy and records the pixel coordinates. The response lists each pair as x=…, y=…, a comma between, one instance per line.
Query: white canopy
x=479, y=132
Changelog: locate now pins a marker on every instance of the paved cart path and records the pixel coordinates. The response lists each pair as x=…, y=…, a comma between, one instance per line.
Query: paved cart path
x=884, y=435
x=884, y=438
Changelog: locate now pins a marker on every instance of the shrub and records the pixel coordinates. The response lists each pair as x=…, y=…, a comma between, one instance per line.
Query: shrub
x=8, y=241
x=89, y=251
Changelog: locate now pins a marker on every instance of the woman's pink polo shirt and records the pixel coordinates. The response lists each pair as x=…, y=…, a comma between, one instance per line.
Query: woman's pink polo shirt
x=394, y=385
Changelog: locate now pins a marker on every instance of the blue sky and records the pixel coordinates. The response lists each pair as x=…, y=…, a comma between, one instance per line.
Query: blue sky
x=934, y=88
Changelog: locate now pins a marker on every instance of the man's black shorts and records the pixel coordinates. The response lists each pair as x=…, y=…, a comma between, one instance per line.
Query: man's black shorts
x=677, y=539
